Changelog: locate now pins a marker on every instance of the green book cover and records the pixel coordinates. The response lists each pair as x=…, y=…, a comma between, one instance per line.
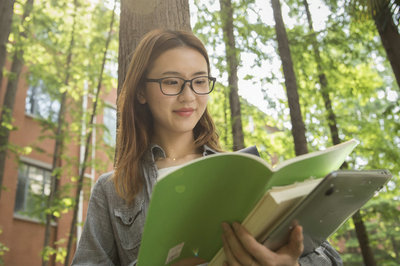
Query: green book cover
x=189, y=204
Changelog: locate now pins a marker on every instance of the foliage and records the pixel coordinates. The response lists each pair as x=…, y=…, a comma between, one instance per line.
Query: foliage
x=353, y=60
x=3, y=250
x=59, y=252
x=364, y=96
x=253, y=38
x=361, y=10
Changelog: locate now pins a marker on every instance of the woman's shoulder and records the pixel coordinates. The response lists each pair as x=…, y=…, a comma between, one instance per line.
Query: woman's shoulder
x=105, y=177
x=105, y=188
x=105, y=183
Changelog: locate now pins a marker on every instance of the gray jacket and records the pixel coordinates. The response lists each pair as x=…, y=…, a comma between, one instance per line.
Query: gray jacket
x=113, y=230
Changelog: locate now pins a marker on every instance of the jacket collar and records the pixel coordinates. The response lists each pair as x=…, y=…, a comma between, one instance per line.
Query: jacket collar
x=157, y=152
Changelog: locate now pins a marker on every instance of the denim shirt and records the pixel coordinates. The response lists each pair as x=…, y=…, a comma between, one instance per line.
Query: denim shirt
x=113, y=230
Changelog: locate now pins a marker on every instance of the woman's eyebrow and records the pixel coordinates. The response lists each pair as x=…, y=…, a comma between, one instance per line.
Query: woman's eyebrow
x=171, y=73
x=200, y=73
x=174, y=73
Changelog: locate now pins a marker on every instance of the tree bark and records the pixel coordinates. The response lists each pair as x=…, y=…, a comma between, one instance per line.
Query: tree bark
x=87, y=142
x=139, y=17
x=226, y=96
x=390, y=38
x=362, y=236
x=298, y=128
x=11, y=91
x=395, y=248
x=6, y=13
x=232, y=61
x=331, y=117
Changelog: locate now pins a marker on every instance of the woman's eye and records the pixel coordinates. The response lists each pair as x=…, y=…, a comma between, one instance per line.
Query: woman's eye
x=200, y=81
x=170, y=82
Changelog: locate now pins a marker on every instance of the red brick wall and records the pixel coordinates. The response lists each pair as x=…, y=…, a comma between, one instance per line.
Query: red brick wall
x=25, y=238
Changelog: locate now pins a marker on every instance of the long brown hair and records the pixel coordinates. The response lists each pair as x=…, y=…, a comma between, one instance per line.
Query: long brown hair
x=135, y=120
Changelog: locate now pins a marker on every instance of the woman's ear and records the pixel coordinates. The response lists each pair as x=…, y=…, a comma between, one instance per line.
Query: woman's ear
x=140, y=97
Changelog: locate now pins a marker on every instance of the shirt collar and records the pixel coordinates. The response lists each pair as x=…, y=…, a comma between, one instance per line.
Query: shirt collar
x=157, y=152
x=208, y=151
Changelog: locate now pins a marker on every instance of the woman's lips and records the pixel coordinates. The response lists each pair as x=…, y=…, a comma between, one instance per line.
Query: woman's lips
x=184, y=112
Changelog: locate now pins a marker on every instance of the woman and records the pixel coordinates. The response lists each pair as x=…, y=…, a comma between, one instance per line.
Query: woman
x=163, y=123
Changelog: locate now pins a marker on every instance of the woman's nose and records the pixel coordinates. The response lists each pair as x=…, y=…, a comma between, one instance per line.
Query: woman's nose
x=187, y=92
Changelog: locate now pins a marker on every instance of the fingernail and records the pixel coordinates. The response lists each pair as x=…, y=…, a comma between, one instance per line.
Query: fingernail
x=236, y=226
x=225, y=227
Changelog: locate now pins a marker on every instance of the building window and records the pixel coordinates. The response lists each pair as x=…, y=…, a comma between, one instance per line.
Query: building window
x=40, y=103
x=32, y=191
x=110, y=123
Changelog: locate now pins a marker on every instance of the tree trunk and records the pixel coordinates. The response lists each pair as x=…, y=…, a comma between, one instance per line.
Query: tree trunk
x=331, y=117
x=226, y=96
x=139, y=17
x=360, y=229
x=11, y=91
x=7, y=109
x=59, y=139
x=390, y=38
x=232, y=61
x=6, y=13
x=87, y=143
x=298, y=128
x=362, y=236
x=395, y=248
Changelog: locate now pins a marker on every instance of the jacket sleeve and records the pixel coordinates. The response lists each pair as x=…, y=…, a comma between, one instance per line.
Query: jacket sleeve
x=322, y=255
x=97, y=243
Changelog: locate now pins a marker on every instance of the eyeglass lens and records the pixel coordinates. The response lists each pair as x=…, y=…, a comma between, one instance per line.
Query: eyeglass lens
x=174, y=85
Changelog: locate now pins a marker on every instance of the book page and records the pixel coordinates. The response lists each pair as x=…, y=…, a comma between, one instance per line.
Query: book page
x=316, y=164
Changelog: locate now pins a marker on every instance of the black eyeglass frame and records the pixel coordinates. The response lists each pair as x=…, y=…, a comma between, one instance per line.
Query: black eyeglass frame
x=183, y=85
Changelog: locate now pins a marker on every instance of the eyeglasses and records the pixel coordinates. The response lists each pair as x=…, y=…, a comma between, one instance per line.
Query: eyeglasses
x=172, y=86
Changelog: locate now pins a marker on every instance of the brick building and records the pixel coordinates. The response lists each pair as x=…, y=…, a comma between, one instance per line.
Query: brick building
x=27, y=177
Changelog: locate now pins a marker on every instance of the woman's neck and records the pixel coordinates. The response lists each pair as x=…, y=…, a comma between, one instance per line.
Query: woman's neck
x=178, y=150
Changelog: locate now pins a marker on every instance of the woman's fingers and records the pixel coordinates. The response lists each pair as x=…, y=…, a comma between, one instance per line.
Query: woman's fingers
x=295, y=244
x=228, y=254
x=291, y=252
x=257, y=250
x=254, y=253
x=235, y=253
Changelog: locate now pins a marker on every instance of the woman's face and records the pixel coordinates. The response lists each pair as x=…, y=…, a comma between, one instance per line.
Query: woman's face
x=177, y=114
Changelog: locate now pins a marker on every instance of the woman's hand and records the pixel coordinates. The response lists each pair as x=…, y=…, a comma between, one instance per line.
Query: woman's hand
x=241, y=248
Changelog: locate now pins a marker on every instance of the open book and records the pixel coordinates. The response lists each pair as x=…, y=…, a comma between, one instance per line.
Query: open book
x=320, y=206
x=189, y=204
